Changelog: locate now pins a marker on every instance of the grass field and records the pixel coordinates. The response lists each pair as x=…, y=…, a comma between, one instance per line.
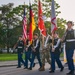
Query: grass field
x=8, y=57
x=11, y=57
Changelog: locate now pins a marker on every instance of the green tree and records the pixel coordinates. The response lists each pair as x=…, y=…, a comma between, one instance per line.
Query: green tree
x=10, y=23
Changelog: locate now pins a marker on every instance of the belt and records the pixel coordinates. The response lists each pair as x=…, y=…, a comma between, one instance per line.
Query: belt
x=19, y=47
x=70, y=40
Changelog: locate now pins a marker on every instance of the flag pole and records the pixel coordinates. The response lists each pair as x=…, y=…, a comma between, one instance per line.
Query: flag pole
x=52, y=40
x=24, y=3
x=29, y=1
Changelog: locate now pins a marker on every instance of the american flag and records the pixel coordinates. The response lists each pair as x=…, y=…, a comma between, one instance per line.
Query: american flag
x=24, y=26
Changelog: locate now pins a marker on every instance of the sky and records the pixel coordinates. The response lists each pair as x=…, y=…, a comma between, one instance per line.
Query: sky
x=66, y=7
x=16, y=2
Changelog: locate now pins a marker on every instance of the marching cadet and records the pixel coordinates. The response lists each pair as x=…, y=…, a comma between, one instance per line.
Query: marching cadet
x=20, y=48
x=45, y=53
x=55, y=53
x=69, y=39
x=35, y=51
x=28, y=53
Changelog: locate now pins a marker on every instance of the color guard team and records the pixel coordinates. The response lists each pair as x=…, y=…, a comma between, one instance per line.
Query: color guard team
x=50, y=50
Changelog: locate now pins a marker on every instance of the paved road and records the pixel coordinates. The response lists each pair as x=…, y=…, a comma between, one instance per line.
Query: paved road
x=13, y=63
x=20, y=71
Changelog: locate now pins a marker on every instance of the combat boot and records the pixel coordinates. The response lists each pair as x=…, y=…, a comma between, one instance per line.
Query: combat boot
x=42, y=68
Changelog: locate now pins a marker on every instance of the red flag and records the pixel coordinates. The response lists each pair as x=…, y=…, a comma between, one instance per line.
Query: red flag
x=24, y=26
x=32, y=25
x=53, y=18
x=41, y=25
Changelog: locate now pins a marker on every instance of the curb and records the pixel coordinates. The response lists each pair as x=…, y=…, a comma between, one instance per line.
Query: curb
x=7, y=65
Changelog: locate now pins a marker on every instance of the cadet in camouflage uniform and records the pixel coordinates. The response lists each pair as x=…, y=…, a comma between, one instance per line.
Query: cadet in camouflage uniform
x=45, y=53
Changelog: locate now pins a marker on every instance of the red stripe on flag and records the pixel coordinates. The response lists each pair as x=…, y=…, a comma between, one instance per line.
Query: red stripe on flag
x=55, y=27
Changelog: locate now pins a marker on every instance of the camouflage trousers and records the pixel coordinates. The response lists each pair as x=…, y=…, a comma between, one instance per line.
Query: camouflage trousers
x=45, y=54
